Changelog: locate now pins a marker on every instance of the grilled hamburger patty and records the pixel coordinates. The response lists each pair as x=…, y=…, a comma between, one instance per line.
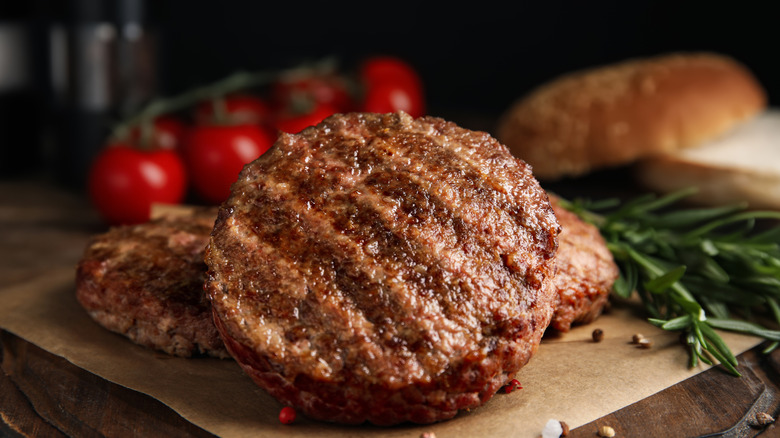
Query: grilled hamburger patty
x=382, y=268
x=146, y=282
x=584, y=271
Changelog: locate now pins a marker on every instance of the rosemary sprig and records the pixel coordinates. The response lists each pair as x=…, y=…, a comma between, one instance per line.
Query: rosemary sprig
x=695, y=269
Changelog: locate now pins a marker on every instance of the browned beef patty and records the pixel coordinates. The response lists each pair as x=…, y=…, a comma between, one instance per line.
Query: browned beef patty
x=584, y=271
x=146, y=282
x=382, y=268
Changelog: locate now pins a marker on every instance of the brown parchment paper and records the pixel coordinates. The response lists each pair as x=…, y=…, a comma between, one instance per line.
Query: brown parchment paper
x=570, y=378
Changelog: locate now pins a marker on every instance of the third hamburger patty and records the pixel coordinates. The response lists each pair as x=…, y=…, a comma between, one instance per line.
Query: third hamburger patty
x=584, y=271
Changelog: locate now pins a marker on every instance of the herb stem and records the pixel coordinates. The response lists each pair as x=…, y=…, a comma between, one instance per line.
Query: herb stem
x=675, y=260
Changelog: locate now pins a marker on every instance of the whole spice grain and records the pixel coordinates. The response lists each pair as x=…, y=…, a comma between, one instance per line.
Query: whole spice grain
x=763, y=419
x=552, y=429
x=512, y=385
x=636, y=338
x=606, y=432
x=598, y=335
x=565, y=429
x=645, y=343
x=287, y=415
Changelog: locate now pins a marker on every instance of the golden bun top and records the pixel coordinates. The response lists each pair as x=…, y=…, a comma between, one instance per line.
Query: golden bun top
x=615, y=114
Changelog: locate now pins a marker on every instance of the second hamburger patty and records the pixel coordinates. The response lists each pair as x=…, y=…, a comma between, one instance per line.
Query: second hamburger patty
x=382, y=268
x=146, y=282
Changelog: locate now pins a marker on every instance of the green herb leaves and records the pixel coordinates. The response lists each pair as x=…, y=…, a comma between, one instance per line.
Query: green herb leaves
x=695, y=269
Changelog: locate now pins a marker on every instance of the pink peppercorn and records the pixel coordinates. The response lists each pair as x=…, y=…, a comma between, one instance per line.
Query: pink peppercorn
x=512, y=385
x=287, y=415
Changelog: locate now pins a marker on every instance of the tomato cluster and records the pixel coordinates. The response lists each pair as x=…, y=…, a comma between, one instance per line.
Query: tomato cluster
x=199, y=151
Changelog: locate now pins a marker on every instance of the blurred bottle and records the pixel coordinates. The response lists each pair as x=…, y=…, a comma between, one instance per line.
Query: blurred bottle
x=20, y=100
x=102, y=69
x=136, y=55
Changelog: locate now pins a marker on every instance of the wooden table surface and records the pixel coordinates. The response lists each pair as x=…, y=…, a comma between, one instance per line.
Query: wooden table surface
x=43, y=395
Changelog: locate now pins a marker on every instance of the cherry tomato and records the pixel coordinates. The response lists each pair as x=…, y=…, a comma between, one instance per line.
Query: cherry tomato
x=391, y=84
x=239, y=109
x=383, y=68
x=388, y=97
x=215, y=154
x=124, y=182
x=168, y=132
x=293, y=123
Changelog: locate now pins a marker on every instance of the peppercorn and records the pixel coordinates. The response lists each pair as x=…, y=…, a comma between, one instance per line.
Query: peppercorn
x=645, y=343
x=512, y=385
x=598, y=335
x=762, y=419
x=287, y=415
x=606, y=432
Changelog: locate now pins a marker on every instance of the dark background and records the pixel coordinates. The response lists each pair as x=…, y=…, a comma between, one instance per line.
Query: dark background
x=478, y=57
x=474, y=60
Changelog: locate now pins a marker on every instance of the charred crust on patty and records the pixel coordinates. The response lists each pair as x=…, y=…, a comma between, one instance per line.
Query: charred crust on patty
x=385, y=269
x=145, y=282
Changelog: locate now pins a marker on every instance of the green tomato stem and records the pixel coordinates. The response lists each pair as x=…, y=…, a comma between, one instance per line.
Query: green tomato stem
x=216, y=90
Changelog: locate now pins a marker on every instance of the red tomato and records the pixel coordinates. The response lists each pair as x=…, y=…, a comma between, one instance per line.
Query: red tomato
x=239, y=109
x=168, y=133
x=389, y=97
x=124, y=182
x=215, y=154
x=391, y=84
x=292, y=123
x=383, y=68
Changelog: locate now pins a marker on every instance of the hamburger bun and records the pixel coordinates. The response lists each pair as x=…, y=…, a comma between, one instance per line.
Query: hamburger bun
x=616, y=114
x=743, y=166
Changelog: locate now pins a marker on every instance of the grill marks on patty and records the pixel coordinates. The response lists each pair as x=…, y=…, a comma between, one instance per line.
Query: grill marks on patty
x=390, y=233
x=376, y=269
x=145, y=282
x=365, y=269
